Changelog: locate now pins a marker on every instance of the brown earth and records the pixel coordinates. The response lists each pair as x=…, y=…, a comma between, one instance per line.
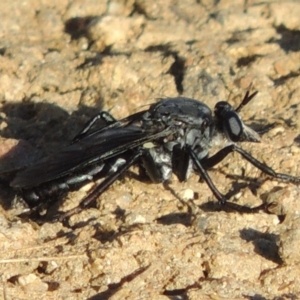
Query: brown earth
x=63, y=61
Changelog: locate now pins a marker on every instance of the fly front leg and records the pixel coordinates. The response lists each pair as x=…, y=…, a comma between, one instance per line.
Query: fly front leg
x=219, y=156
x=201, y=167
x=221, y=198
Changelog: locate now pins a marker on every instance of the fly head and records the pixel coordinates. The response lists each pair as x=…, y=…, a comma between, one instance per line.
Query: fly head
x=229, y=122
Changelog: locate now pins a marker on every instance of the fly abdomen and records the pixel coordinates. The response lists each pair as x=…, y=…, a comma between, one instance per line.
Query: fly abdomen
x=59, y=187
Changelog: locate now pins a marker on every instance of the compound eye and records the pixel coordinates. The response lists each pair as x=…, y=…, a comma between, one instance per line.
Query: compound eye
x=233, y=126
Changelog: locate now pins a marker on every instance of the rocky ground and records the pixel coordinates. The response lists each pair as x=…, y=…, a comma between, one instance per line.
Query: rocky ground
x=63, y=61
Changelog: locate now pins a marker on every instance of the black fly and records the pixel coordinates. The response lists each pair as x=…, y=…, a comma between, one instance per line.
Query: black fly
x=173, y=135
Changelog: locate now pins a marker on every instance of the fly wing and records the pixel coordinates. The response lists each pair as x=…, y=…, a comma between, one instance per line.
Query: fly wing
x=132, y=119
x=93, y=148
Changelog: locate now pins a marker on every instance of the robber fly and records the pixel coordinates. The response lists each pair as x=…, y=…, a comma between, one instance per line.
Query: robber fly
x=173, y=135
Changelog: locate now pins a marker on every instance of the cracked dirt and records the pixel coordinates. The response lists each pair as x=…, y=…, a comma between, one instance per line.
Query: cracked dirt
x=61, y=62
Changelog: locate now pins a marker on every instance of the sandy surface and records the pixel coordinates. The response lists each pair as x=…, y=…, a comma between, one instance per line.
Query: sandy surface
x=63, y=61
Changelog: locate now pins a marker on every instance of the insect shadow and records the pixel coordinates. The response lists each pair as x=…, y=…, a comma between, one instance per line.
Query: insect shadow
x=34, y=130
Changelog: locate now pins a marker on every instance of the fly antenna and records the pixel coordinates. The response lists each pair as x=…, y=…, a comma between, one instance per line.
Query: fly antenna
x=247, y=98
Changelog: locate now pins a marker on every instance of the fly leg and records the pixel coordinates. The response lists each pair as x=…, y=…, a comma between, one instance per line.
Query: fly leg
x=201, y=166
x=103, y=115
x=202, y=170
x=219, y=156
x=99, y=189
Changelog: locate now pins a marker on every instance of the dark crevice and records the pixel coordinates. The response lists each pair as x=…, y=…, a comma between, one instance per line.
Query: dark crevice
x=98, y=57
x=232, y=72
x=239, y=35
x=281, y=80
x=264, y=243
x=247, y=60
x=181, y=294
x=232, y=40
x=177, y=69
x=109, y=51
x=138, y=9
x=51, y=50
x=165, y=48
x=176, y=294
x=297, y=140
x=77, y=27
x=114, y=287
x=255, y=297
x=215, y=3
x=91, y=61
x=289, y=40
x=2, y=51
x=53, y=285
x=13, y=279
